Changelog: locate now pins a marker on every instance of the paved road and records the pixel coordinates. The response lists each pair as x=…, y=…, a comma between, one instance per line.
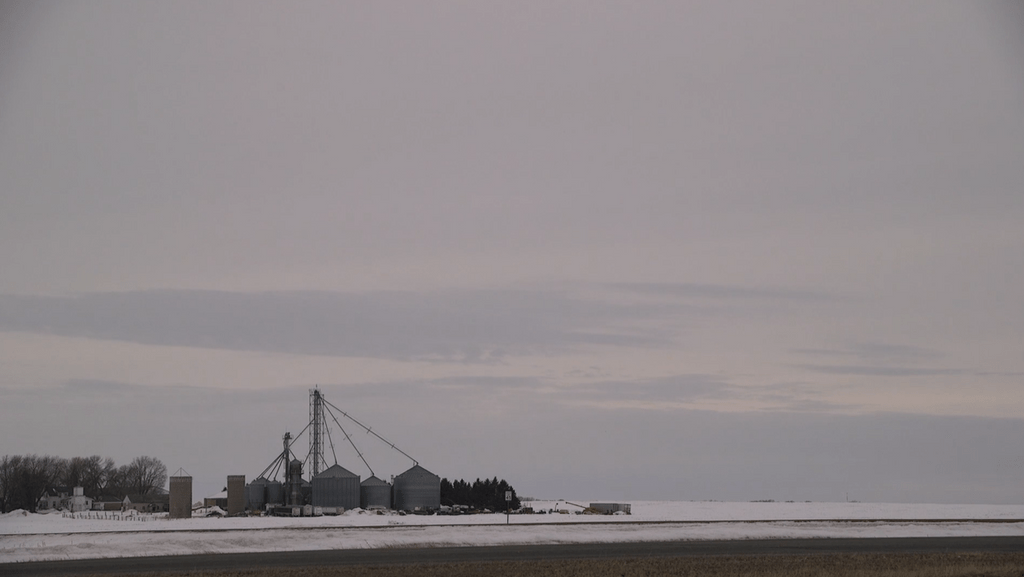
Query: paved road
x=243, y=561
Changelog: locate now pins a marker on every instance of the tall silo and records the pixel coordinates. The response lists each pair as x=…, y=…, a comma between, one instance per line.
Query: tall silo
x=417, y=488
x=236, y=494
x=336, y=487
x=180, y=499
x=256, y=494
x=374, y=494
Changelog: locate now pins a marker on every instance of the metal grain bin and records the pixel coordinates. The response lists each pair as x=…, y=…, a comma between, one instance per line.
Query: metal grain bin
x=275, y=493
x=256, y=494
x=336, y=487
x=417, y=488
x=374, y=494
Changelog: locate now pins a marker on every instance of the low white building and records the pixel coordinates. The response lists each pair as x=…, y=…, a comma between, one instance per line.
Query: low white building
x=78, y=501
x=63, y=499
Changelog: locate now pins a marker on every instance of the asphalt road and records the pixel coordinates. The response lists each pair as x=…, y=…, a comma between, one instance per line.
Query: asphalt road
x=243, y=561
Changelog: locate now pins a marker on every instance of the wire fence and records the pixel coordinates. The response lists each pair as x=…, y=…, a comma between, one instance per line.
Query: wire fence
x=129, y=515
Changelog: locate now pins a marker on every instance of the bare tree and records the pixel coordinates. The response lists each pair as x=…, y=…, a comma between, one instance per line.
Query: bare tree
x=105, y=474
x=145, y=474
x=90, y=473
x=24, y=479
x=119, y=481
x=10, y=468
x=74, y=471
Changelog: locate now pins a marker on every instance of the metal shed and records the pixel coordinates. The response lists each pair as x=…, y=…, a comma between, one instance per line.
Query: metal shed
x=417, y=488
x=612, y=508
x=336, y=487
x=374, y=494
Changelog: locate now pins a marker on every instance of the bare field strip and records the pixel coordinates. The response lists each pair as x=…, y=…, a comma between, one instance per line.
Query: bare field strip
x=953, y=557
x=599, y=523
x=827, y=565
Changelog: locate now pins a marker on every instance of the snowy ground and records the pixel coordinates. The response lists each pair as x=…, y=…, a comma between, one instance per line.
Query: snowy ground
x=31, y=537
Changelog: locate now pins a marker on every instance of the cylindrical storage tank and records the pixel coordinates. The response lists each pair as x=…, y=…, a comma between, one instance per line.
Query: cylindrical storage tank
x=275, y=493
x=374, y=494
x=336, y=487
x=256, y=494
x=417, y=488
x=180, y=500
x=236, y=494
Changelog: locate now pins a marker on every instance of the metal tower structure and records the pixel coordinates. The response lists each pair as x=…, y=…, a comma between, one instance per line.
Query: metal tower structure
x=319, y=409
x=317, y=424
x=280, y=463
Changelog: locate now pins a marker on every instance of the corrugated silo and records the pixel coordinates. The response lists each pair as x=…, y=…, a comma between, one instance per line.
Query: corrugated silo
x=275, y=493
x=256, y=494
x=336, y=487
x=417, y=488
x=374, y=494
x=236, y=494
x=180, y=499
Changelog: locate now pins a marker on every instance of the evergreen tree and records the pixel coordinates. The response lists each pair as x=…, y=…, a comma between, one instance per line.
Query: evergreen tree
x=481, y=494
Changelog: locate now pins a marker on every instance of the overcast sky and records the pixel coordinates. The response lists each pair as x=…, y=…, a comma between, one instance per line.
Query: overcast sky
x=622, y=250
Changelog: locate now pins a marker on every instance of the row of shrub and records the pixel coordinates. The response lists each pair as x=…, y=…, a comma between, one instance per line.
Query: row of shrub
x=485, y=494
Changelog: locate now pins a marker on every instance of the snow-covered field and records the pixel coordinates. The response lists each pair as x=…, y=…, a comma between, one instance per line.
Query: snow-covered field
x=31, y=537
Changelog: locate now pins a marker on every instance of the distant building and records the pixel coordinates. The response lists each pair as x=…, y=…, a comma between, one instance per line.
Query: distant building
x=107, y=503
x=148, y=503
x=612, y=508
x=218, y=500
x=65, y=499
x=52, y=498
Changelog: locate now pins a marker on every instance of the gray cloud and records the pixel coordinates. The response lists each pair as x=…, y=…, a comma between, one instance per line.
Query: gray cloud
x=694, y=388
x=775, y=396
x=460, y=325
x=880, y=371
x=519, y=393
x=876, y=351
x=680, y=388
x=878, y=359
x=726, y=292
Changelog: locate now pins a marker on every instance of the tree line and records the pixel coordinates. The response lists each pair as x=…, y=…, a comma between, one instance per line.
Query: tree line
x=486, y=494
x=25, y=478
